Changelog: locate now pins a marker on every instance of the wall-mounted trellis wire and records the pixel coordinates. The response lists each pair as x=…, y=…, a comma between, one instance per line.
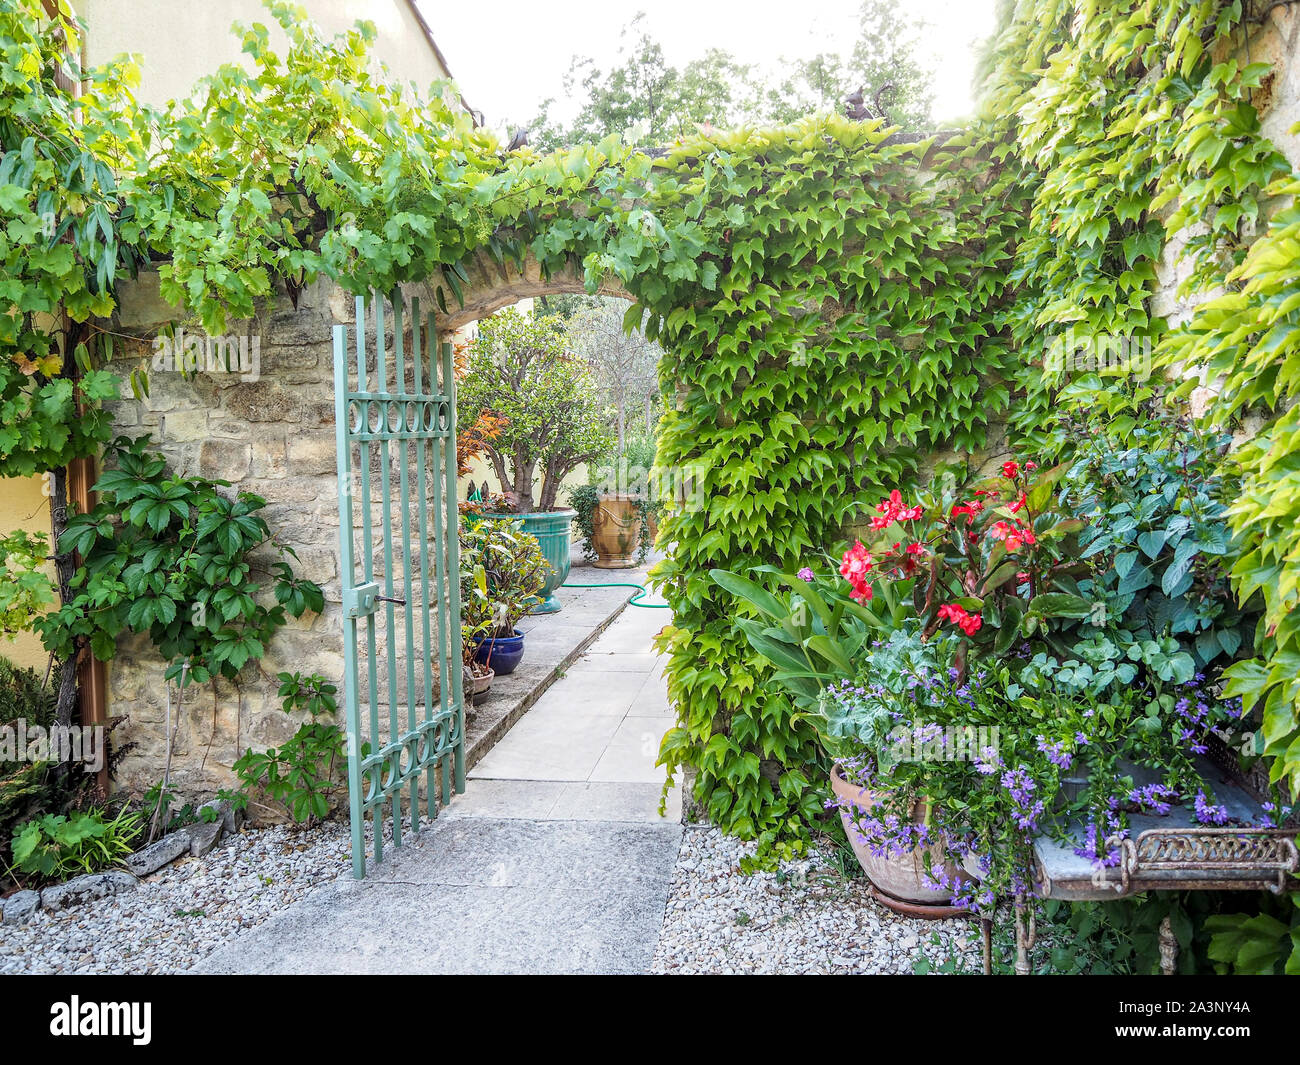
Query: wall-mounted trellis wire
x=395, y=416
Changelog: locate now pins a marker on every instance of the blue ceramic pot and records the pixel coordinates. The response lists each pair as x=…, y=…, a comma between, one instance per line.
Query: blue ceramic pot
x=502, y=653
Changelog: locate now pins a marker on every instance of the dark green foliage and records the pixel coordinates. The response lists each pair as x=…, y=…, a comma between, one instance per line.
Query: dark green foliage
x=172, y=557
x=1157, y=540
x=303, y=774
x=24, y=694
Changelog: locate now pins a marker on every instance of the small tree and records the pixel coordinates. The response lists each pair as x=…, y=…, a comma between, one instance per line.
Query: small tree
x=625, y=365
x=520, y=372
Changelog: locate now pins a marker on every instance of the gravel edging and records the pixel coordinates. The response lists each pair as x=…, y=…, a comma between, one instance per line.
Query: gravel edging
x=805, y=918
x=184, y=911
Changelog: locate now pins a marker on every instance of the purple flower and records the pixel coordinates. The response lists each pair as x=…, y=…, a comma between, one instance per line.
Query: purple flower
x=1102, y=856
x=989, y=761
x=1153, y=796
x=1056, y=753
x=1021, y=787
x=806, y=574
x=1207, y=813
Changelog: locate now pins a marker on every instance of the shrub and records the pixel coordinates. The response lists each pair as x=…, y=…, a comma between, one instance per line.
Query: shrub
x=55, y=847
x=23, y=694
x=302, y=774
x=502, y=571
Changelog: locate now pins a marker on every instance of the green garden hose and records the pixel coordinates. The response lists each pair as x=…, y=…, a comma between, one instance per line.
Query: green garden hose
x=641, y=590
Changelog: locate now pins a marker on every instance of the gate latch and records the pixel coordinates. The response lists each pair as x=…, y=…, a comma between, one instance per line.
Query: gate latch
x=361, y=601
x=364, y=600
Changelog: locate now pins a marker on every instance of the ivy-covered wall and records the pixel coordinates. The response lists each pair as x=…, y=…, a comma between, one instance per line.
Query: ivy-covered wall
x=1159, y=138
x=849, y=320
x=836, y=303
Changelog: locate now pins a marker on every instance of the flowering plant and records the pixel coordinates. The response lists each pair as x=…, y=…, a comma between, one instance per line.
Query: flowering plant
x=992, y=562
x=808, y=628
x=945, y=772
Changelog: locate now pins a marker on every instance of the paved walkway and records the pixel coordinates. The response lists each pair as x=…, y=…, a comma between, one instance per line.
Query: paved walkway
x=554, y=860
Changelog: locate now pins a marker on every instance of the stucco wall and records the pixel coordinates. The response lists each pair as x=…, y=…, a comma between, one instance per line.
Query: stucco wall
x=180, y=41
x=24, y=506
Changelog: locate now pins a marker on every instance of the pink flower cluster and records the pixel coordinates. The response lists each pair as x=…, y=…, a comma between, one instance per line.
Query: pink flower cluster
x=854, y=567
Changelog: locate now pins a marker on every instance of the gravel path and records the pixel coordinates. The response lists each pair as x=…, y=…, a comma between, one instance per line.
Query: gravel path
x=803, y=919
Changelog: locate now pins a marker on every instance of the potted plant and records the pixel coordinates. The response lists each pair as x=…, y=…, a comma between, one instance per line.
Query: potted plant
x=616, y=529
x=951, y=574
x=820, y=641
x=502, y=574
x=550, y=422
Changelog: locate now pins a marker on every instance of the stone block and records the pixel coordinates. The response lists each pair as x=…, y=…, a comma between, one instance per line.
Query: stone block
x=309, y=324
x=182, y=425
x=224, y=425
x=225, y=460
x=86, y=888
x=228, y=817
x=277, y=359
x=318, y=413
x=140, y=304
x=168, y=391
x=203, y=836
x=19, y=907
x=153, y=857
x=317, y=564
x=312, y=453
x=270, y=458
x=262, y=401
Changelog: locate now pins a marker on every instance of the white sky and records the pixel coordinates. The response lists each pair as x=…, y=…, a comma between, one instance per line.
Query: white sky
x=507, y=56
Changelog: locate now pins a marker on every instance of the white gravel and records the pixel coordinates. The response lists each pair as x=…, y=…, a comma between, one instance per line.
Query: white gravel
x=805, y=918
x=182, y=912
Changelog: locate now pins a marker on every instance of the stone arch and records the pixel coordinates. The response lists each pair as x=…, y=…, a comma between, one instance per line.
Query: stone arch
x=494, y=285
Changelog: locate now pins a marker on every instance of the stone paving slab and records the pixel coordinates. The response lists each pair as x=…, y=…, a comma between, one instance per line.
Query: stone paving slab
x=580, y=800
x=555, y=860
x=480, y=895
x=552, y=644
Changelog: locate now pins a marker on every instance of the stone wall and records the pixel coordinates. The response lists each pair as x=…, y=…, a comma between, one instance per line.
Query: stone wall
x=273, y=435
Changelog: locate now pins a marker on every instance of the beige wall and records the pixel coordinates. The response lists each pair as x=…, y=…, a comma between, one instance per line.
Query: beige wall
x=24, y=505
x=180, y=41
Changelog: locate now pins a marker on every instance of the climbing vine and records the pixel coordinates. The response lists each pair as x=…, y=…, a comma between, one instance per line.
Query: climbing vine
x=836, y=301
x=173, y=557
x=1139, y=124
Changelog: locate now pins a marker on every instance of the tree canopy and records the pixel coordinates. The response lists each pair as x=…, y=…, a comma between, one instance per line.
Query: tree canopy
x=643, y=97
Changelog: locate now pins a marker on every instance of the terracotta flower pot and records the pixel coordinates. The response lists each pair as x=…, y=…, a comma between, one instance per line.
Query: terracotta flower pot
x=477, y=684
x=616, y=532
x=903, y=876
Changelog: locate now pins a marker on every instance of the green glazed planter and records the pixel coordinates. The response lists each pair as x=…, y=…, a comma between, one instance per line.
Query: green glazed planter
x=552, y=530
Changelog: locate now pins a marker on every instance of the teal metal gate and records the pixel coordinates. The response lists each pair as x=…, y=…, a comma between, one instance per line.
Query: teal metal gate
x=395, y=417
